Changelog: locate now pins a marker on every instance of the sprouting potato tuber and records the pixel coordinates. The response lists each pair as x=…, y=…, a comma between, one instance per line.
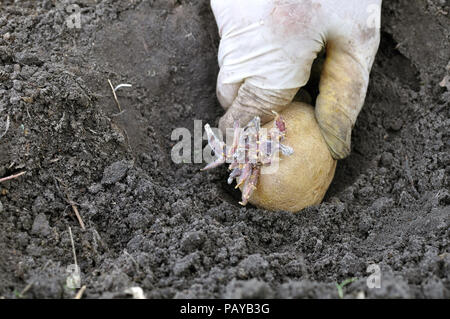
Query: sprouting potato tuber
x=302, y=178
x=285, y=165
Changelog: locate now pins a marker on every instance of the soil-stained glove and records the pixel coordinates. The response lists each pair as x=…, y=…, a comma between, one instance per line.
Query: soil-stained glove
x=267, y=48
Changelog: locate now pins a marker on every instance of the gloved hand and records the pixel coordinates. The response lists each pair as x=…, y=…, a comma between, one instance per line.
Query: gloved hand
x=267, y=48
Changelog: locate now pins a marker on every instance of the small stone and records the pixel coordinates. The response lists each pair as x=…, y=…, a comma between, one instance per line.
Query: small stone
x=386, y=159
x=40, y=226
x=115, y=172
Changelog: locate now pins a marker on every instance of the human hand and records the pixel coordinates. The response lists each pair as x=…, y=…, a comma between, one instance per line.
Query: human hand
x=266, y=51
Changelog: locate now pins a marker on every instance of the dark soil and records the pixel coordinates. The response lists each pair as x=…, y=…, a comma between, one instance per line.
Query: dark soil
x=177, y=232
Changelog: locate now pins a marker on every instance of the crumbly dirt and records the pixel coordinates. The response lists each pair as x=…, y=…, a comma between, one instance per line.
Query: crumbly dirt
x=177, y=232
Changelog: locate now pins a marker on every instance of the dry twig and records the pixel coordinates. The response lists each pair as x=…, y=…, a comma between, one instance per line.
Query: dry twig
x=72, y=204
x=115, y=95
x=77, y=213
x=80, y=292
x=73, y=247
x=24, y=291
x=4, y=179
x=114, y=89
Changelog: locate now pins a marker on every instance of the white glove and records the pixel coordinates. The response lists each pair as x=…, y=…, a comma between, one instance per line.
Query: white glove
x=267, y=48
